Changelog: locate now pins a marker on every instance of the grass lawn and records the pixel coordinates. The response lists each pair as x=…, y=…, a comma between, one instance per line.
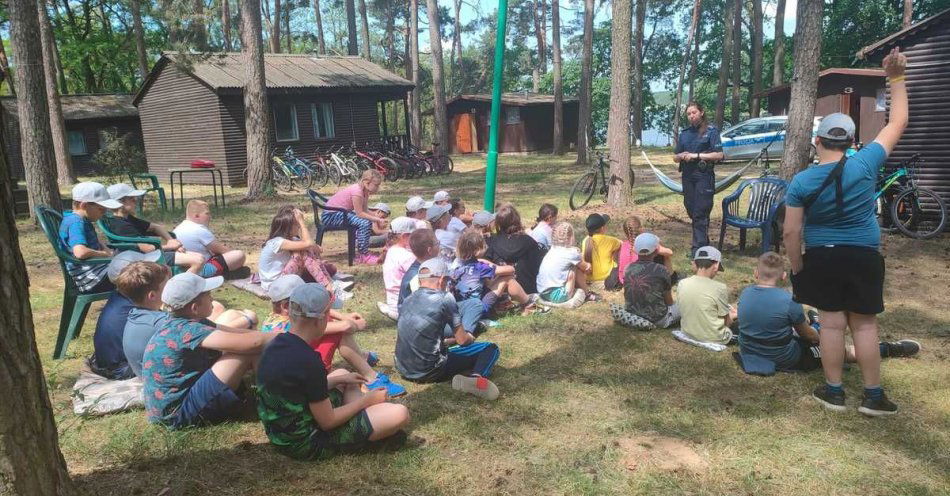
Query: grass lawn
x=587, y=407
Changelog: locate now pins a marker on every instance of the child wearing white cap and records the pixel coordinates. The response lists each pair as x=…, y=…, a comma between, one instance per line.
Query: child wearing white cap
x=416, y=209
x=441, y=198
x=307, y=413
x=380, y=228
x=398, y=260
x=191, y=369
x=704, y=303
x=124, y=223
x=79, y=237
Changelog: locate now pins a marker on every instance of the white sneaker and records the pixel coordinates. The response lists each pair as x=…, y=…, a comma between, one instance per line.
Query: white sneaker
x=342, y=295
x=343, y=285
x=339, y=276
x=386, y=310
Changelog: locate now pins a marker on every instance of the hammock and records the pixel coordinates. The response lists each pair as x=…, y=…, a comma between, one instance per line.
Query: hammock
x=676, y=187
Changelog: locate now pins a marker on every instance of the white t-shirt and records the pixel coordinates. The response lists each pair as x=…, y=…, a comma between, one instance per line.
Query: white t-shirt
x=556, y=267
x=398, y=260
x=448, y=240
x=194, y=237
x=456, y=225
x=272, y=261
x=542, y=234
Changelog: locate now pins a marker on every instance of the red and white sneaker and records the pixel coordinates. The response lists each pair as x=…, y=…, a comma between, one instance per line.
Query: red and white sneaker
x=476, y=385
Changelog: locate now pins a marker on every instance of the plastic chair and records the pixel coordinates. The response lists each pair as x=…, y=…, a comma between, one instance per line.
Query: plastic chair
x=766, y=195
x=153, y=186
x=75, y=304
x=319, y=202
x=126, y=240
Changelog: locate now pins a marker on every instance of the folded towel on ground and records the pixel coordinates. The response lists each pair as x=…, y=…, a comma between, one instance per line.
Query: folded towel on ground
x=627, y=319
x=95, y=395
x=251, y=287
x=682, y=336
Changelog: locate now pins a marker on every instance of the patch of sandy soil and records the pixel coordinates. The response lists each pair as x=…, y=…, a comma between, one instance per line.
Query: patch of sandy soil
x=662, y=453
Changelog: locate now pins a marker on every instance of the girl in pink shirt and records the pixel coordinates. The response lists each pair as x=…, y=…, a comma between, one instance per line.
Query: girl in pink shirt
x=632, y=227
x=355, y=198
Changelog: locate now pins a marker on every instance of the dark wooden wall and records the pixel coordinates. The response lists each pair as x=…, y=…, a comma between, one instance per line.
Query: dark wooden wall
x=535, y=132
x=830, y=89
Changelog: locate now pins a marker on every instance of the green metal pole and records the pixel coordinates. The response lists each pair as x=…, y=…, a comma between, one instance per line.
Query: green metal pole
x=491, y=167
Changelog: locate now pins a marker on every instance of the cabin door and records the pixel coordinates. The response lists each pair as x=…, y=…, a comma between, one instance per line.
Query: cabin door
x=463, y=133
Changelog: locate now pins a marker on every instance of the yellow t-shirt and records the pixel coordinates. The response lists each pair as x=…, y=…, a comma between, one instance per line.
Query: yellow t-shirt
x=602, y=256
x=704, y=304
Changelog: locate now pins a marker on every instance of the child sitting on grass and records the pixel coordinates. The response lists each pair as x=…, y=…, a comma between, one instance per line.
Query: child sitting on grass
x=424, y=245
x=648, y=287
x=338, y=335
x=424, y=354
x=774, y=331
x=398, y=260
x=290, y=249
x=416, y=209
x=541, y=232
x=438, y=217
x=78, y=237
x=484, y=221
x=195, y=236
x=460, y=217
x=704, y=303
x=562, y=277
x=632, y=227
x=192, y=370
x=307, y=413
x=124, y=223
x=600, y=251
x=380, y=229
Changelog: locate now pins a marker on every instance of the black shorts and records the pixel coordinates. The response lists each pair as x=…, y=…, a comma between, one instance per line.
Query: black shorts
x=810, y=358
x=841, y=279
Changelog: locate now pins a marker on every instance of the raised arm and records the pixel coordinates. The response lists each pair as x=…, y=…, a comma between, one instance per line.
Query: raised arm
x=894, y=65
x=305, y=242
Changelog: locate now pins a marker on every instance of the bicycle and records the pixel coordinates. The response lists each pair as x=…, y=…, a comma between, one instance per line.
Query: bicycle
x=902, y=204
x=384, y=165
x=583, y=189
x=338, y=168
x=308, y=173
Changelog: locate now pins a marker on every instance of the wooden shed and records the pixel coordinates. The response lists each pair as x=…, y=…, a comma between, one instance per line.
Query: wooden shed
x=927, y=46
x=856, y=92
x=193, y=108
x=528, y=120
x=88, y=118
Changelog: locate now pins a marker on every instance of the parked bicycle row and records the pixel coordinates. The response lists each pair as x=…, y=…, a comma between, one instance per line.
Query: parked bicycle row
x=345, y=164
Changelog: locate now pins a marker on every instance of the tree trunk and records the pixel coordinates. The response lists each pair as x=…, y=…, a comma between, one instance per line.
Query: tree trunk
x=636, y=118
x=139, y=35
x=7, y=76
x=438, y=81
x=539, y=15
x=736, y=62
x=584, y=105
x=30, y=459
x=36, y=141
x=677, y=110
x=321, y=41
x=457, y=36
x=804, y=92
x=694, y=60
x=364, y=27
x=225, y=24
x=64, y=163
x=198, y=28
x=255, y=102
x=724, y=72
x=274, y=27
x=618, y=126
x=415, y=113
x=558, y=142
x=351, y=47
x=755, y=101
x=908, y=13
x=287, y=36
x=778, y=65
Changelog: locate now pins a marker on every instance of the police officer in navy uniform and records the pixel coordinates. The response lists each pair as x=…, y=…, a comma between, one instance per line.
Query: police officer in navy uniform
x=697, y=150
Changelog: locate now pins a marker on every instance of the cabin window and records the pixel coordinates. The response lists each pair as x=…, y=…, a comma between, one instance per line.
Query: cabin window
x=512, y=115
x=285, y=122
x=77, y=143
x=322, y=120
x=880, y=103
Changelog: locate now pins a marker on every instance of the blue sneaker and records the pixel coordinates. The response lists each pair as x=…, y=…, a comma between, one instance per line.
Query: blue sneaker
x=372, y=358
x=393, y=390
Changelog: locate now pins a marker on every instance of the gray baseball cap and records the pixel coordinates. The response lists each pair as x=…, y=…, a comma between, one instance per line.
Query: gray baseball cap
x=646, y=243
x=434, y=267
x=280, y=289
x=185, y=287
x=382, y=207
x=483, y=218
x=129, y=257
x=310, y=300
x=416, y=203
x=709, y=253
x=441, y=196
x=122, y=190
x=90, y=192
x=436, y=211
x=836, y=126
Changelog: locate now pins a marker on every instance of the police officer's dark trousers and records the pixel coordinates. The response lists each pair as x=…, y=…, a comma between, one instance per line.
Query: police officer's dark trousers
x=699, y=185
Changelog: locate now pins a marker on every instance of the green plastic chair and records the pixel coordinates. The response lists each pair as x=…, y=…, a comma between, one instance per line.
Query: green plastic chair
x=153, y=186
x=75, y=304
x=124, y=240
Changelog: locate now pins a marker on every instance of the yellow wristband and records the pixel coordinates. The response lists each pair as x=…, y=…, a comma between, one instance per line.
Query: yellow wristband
x=898, y=79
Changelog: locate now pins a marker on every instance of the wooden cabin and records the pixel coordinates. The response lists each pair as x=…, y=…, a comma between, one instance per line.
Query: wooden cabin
x=927, y=46
x=193, y=108
x=856, y=92
x=88, y=118
x=527, y=120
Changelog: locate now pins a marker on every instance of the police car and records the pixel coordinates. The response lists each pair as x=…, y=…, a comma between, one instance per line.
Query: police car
x=745, y=140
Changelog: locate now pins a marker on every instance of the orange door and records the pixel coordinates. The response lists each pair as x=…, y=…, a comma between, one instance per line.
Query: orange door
x=463, y=133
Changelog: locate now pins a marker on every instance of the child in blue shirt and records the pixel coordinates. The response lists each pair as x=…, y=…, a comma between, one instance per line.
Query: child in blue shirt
x=78, y=236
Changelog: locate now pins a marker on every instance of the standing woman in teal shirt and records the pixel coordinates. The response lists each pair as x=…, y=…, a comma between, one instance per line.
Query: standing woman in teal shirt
x=842, y=272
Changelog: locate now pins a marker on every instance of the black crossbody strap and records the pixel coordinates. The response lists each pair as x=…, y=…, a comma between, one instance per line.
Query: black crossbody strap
x=835, y=176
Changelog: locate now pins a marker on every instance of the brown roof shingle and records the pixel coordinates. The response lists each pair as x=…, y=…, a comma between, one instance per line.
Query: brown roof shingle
x=519, y=99
x=79, y=107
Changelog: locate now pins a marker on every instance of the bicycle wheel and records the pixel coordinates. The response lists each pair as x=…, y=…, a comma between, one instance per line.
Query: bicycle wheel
x=282, y=181
x=583, y=190
x=303, y=178
x=448, y=164
x=919, y=213
x=353, y=171
x=334, y=175
x=318, y=170
x=883, y=214
x=392, y=170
